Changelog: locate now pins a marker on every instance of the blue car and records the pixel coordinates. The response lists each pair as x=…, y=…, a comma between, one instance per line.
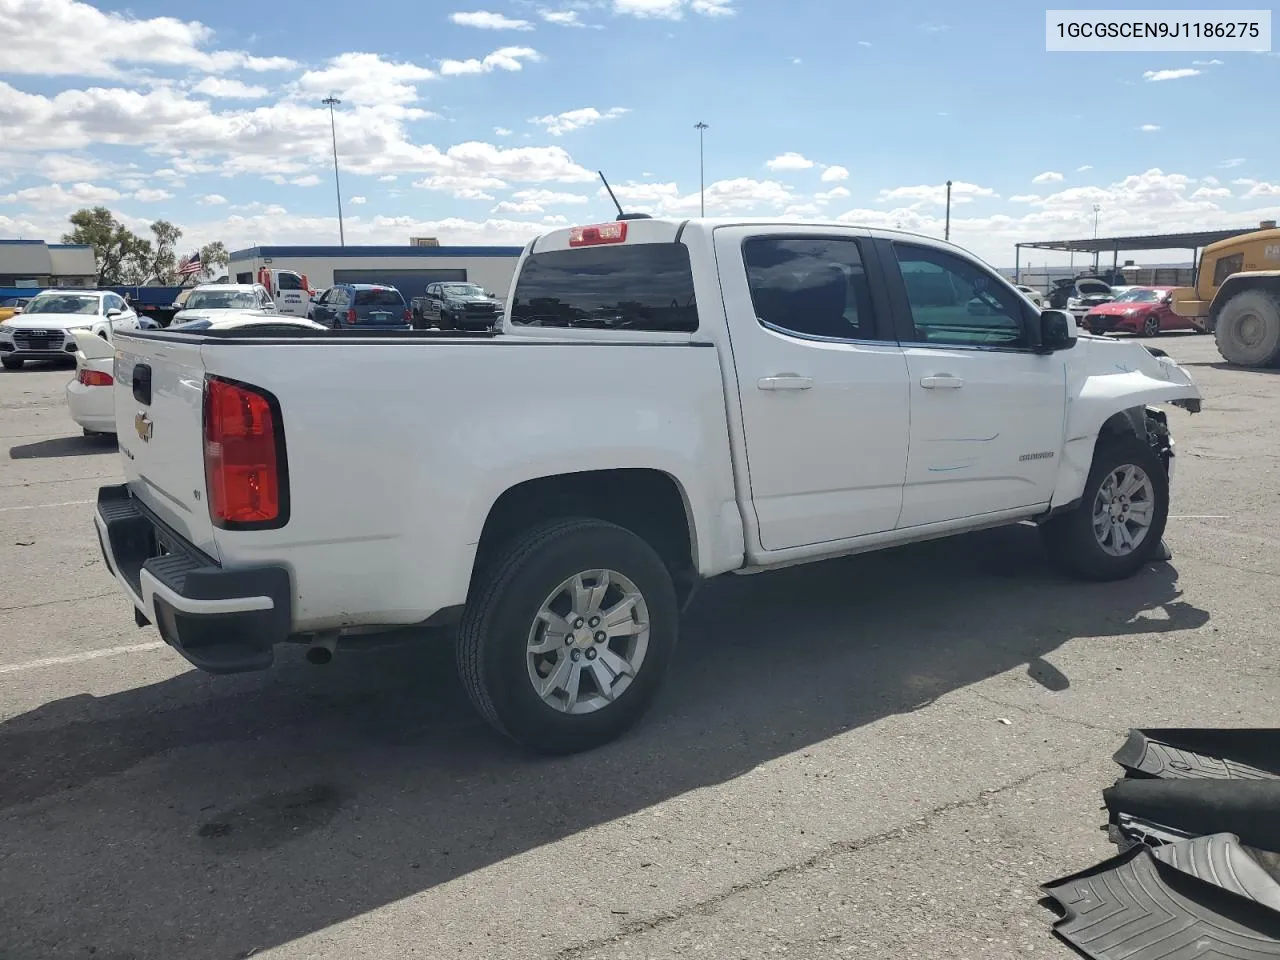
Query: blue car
x=346, y=306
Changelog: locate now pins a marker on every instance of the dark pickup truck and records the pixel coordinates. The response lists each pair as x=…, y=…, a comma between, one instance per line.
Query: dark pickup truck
x=456, y=306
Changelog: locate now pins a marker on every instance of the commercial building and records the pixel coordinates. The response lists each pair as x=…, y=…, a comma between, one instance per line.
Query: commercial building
x=409, y=269
x=34, y=263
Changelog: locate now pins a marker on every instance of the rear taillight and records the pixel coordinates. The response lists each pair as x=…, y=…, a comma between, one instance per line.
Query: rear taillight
x=93, y=378
x=598, y=233
x=408, y=317
x=351, y=316
x=244, y=457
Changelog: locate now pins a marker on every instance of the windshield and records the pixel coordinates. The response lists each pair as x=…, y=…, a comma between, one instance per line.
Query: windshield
x=463, y=290
x=221, y=300
x=1138, y=296
x=64, y=303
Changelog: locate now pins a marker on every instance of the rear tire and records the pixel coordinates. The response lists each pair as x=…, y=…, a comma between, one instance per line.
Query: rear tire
x=517, y=616
x=1151, y=327
x=1084, y=541
x=11, y=363
x=1248, y=329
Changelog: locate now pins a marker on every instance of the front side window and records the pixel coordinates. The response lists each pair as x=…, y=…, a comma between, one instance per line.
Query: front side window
x=955, y=301
x=641, y=286
x=1226, y=266
x=287, y=281
x=810, y=286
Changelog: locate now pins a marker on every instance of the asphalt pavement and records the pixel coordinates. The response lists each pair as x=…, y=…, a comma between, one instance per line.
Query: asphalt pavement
x=872, y=757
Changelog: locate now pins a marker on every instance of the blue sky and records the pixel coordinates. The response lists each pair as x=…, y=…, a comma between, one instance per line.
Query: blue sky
x=485, y=122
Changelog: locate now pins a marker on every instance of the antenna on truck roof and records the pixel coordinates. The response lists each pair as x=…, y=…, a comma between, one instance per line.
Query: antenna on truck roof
x=621, y=215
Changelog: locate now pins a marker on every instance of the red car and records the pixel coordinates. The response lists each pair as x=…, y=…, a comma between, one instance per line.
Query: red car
x=1143, y=310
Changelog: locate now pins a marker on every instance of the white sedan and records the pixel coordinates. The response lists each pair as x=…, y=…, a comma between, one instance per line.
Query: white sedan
x=46, y=327
x=1031, y=294
x=92, y=406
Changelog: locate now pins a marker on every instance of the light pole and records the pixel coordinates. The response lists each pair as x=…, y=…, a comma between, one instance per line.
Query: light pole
x=331, y=102
x=947, y=232
x=702, y=170
x=1097, y=209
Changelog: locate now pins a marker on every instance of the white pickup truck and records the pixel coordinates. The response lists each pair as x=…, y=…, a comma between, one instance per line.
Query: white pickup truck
x=664, y=402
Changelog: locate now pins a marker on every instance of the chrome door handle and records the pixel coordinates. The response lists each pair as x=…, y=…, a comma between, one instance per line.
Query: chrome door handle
x=785, y=383
x=943, y=382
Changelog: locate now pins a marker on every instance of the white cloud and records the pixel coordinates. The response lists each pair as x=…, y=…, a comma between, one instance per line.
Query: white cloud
x=501, y=132
x=506, y=58
x=864, y=43
x=1206, y=63
x=357, y=201
x=1047, y=177
x=1154, y=76
x=834, y=174
x=548, y=198
x=1084, y=168
x=1232, y=162
x=228, y=89
x=789, y=161
x=738, y=195
x=57, y=196
x=558, y=124
x=1258, y=188
x=561, y=18
x=936, y=194
x=465, y=187
x=672, y=9
x=310, y=180
x=71, y=38
x=511, y=206
x=1149, y=127
x=1024, y=198
x=934, y=27
x=212, y=200
x=388, y=178
x=482, y=20
x=61, y=167
x=152, y=195
x=1211, y=193
x=364, y=78
x=835, y=193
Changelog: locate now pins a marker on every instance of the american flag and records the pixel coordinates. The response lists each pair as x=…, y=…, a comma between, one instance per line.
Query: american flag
x=190, y=267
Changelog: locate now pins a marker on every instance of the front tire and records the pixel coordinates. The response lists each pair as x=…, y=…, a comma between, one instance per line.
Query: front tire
x=1117, y=527
x=11, y=363
x=1151, y=327
x=568, y=635
x=1248, y=329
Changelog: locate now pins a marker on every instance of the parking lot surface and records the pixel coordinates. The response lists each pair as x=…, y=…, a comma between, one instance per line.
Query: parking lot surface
x=872, y=757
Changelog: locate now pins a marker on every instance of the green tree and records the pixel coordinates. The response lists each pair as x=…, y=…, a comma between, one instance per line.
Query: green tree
x=116, y=248
x=156, y=262
x=214, y=258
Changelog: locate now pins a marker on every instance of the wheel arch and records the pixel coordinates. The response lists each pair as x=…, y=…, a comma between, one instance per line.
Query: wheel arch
x=651, y=503
x=1078, y=452
x=1266, y=282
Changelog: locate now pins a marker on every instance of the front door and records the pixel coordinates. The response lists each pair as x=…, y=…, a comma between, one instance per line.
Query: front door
x=291, y=298
x=822, y=385
x=987, y=413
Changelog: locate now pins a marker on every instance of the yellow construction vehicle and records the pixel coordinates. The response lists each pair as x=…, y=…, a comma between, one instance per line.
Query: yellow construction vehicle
x=1237, y=297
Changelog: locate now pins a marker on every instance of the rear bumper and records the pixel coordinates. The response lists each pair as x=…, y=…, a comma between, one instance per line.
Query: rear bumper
x=222, y=621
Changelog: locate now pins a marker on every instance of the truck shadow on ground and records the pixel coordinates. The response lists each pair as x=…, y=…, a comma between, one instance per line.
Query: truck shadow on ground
x=64, y=447
x=215, y=817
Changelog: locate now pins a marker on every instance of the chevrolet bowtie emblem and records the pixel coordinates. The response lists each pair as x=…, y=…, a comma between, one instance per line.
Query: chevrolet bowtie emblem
x=143, y=425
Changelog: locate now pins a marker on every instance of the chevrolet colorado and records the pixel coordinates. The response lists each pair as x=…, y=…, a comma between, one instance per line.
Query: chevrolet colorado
x=664, y=401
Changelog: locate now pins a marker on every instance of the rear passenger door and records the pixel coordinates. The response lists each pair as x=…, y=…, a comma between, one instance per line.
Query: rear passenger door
x=822, y=383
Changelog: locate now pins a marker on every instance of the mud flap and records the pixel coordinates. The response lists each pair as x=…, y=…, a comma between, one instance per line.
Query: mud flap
x=1136, y=906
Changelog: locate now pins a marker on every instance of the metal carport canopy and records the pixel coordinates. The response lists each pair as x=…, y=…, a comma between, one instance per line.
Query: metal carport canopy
x=1152, y=241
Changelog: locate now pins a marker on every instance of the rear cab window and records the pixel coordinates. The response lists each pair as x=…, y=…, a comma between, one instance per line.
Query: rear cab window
x=624, y=286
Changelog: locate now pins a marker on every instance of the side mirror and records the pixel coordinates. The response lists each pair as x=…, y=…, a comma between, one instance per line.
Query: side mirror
x=1057, y=331
x=113, y=313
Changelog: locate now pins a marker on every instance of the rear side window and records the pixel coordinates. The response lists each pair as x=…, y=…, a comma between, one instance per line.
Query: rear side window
x=1226, y=266
x=643, y=286
x=379, y=298
x=810, y=286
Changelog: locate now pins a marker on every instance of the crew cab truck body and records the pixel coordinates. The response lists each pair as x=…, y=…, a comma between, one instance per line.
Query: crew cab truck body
x=666, y=402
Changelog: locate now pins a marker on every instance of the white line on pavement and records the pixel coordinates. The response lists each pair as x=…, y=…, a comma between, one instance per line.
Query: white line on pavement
x=1207, y=516
x=43, y=506
x=80, y=657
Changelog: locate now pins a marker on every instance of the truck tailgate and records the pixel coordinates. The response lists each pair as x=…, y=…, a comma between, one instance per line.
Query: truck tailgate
x=159, y=402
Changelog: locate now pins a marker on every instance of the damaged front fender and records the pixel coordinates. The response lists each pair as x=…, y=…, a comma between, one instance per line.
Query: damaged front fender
x=1116, y=380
